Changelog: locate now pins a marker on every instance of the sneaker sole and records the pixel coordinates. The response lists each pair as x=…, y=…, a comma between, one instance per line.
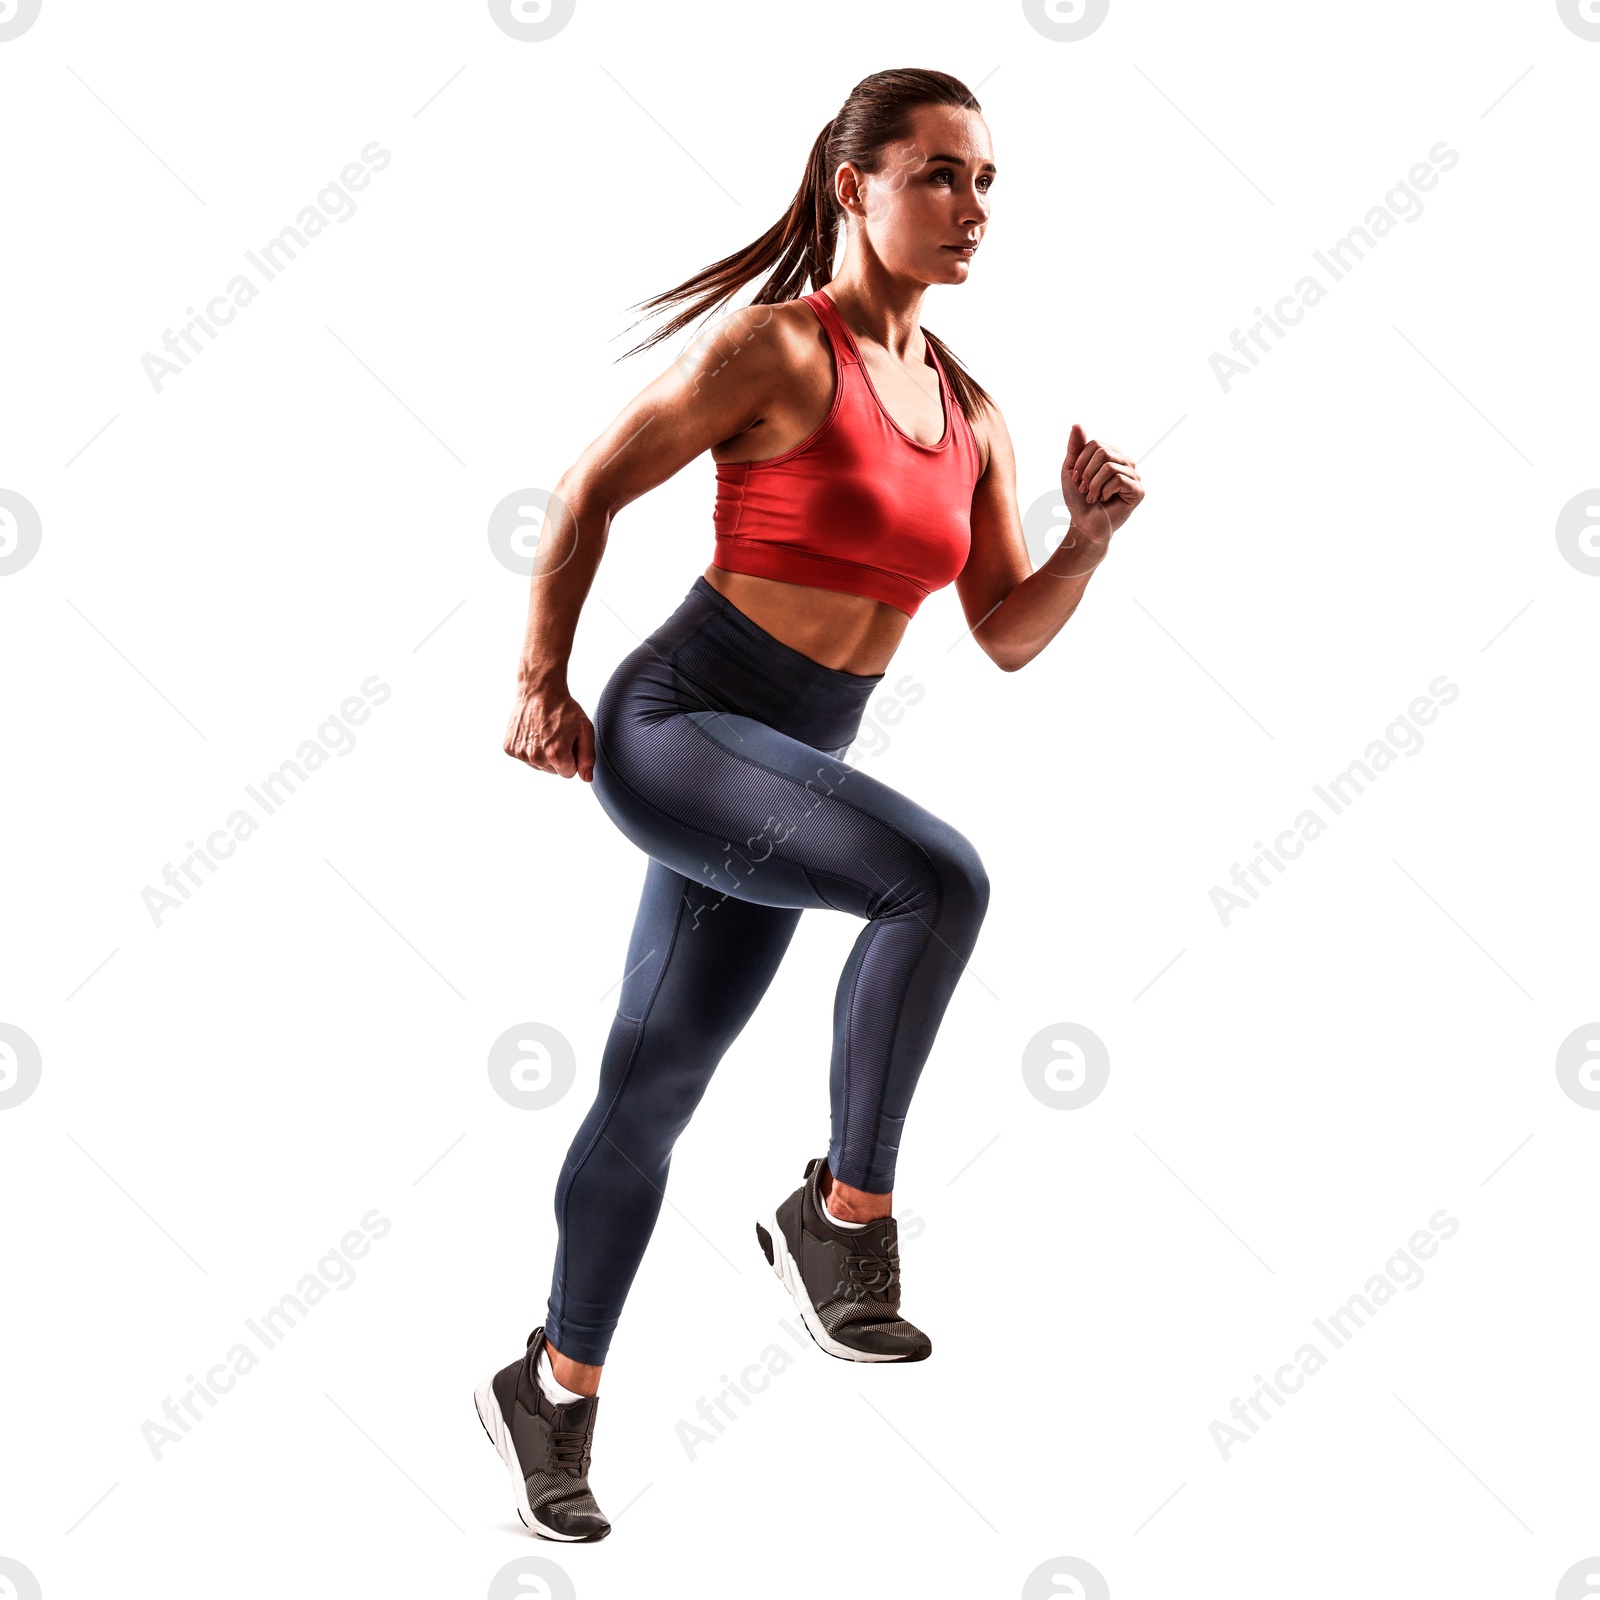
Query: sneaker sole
x=494, y=1424
x=773, y=1246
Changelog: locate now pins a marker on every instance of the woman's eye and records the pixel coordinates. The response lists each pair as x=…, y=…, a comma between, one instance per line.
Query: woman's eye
x=984, y=182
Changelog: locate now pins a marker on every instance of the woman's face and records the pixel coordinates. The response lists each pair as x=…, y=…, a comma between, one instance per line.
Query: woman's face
x=929, y=197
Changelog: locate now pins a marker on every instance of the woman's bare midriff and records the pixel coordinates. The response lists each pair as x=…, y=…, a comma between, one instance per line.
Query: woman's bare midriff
x=847, y=632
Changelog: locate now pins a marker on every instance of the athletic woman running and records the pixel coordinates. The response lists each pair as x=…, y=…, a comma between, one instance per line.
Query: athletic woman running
x=859, y=468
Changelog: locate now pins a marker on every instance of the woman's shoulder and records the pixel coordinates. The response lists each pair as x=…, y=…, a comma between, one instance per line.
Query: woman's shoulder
x=756, y=349
x=780, y=334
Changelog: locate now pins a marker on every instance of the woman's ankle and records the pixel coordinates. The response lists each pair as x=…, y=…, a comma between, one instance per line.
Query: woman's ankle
x=852, y=1205
x=577, y=1376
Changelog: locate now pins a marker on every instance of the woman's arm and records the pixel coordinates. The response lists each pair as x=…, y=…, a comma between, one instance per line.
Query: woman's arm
x=721, y=385
x=1012, y=610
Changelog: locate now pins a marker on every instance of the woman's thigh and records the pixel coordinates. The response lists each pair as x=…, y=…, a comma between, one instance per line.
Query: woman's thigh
x=744, y=809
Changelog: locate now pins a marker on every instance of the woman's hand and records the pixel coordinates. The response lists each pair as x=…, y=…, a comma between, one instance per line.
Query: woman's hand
x=548, y=730
x=1101, y=487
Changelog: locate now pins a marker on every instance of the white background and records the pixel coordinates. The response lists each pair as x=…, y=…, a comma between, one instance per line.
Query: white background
x=225, y=1095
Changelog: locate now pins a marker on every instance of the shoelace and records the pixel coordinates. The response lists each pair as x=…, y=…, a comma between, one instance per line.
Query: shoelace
x=878, y=1276
x=569, y=1448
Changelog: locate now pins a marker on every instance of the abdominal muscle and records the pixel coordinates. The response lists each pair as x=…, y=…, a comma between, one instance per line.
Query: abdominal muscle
x=847, y=632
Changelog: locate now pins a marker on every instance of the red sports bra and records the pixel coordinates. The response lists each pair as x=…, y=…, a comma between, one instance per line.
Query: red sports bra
x=859, y=506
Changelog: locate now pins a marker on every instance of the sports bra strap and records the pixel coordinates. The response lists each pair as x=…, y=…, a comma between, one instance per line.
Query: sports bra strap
x=844, y=343
x=844, y=347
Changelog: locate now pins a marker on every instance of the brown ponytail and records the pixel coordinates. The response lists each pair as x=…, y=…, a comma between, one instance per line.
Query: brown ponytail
x=799, y=248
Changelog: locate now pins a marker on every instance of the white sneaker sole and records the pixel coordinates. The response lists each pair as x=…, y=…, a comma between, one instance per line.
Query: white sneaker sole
x=500, y=1437
x=788, y=1271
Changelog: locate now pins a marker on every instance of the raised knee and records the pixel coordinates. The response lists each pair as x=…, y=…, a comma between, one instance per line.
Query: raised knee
x=952, y=884
x=980, y=885
x=964, y=872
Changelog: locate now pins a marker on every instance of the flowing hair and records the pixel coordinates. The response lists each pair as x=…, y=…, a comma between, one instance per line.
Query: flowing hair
x=800, y=247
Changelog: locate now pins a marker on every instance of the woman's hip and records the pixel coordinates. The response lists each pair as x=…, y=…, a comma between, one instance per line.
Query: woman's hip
x=709, y=656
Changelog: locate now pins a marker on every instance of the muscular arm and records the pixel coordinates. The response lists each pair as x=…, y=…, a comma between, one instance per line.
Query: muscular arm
x=1012, y=610
x=723, y=383
x=717, y=389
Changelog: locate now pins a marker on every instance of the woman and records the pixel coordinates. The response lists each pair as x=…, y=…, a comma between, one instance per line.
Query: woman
x=859, y=468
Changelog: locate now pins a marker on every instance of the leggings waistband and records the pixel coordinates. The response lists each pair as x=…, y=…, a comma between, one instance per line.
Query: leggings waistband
x=708, y=655
x=794, y=662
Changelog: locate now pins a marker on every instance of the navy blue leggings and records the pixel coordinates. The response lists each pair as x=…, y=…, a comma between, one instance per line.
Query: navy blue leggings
x=717, y=752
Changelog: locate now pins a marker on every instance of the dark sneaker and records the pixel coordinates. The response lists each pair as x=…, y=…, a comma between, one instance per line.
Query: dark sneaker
x=846, y=1281
x=546, y=1448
